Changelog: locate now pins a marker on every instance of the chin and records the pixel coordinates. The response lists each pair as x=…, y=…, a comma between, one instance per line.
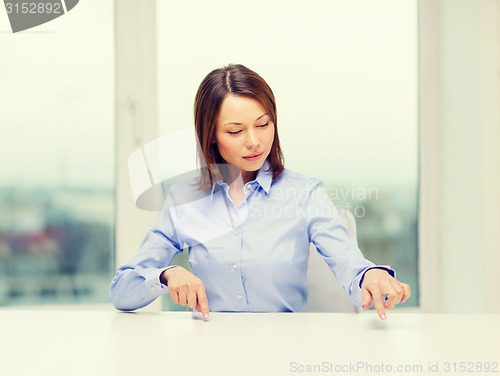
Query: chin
x=254, y=166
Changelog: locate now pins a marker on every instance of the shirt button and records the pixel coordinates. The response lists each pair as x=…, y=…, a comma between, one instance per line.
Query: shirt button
x=153, y=288
x=235, y=266
x=239, y=297
x=236, y=232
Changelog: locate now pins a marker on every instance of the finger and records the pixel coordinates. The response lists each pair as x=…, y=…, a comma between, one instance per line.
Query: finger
x=182, y=298
x=400, y=291
x=367, y=299
x=174, y=295
x=406, y=291
x=394, y=292
x=394, y=295
x=191, y=298
x=379, y=304
x=203, y=303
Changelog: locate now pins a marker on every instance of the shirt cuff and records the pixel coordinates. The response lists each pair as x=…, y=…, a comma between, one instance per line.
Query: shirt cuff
x=162, y=270
x=387, y=268
x=152, y=281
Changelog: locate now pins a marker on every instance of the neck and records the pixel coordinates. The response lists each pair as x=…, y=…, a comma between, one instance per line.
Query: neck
x=235, y=177
x=248, y=176
x=244, y=177
x=237, y=184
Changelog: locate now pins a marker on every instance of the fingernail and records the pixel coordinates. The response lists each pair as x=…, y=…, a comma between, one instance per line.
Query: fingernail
x=363, y=306
x=383, y=316
x=403, y=300
x=205, y=316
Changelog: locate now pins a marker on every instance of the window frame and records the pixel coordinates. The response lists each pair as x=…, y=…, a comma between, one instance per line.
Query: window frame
x=137, y=123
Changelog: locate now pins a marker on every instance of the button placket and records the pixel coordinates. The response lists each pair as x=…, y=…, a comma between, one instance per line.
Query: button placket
x=238, y=238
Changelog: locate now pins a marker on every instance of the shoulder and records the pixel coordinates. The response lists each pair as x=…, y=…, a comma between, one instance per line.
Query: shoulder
x=295, y=180
x=184, y=192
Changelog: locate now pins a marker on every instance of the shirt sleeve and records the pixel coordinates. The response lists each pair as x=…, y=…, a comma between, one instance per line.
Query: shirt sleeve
x=137, y=282
x=328, y=231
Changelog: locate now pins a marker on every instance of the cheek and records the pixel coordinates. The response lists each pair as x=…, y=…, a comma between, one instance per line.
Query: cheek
x=270, y=136
x=226, y=147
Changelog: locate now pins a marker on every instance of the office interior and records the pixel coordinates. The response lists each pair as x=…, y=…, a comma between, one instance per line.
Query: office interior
x=393, y=104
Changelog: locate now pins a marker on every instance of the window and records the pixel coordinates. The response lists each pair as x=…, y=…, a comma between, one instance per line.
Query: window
x=345, y=78
x=57, y=159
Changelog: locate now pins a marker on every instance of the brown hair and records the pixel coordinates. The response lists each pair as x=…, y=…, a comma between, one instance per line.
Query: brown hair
x=234, y=79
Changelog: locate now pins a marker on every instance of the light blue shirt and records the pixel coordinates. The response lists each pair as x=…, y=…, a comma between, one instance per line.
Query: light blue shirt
x=252, y=257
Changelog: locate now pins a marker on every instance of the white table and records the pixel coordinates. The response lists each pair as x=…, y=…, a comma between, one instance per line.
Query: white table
x=176, y=343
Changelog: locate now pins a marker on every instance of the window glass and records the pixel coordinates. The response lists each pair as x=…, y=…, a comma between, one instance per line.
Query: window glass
x=57, y=158
x=344, y=75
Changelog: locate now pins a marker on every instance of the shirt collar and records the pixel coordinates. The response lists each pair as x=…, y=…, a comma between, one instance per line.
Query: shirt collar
x=264, y=178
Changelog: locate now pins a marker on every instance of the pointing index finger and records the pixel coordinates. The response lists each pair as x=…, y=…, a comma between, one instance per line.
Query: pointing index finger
x=379, y=304
x=202, y=305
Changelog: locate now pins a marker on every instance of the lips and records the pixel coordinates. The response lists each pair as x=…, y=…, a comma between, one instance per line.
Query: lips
x=254, y=156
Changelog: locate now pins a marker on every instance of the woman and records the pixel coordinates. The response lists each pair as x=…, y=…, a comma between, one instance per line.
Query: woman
x=246, y=221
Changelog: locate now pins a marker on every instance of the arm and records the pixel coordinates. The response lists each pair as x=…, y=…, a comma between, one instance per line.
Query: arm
x=339, y=248
x=137, y=282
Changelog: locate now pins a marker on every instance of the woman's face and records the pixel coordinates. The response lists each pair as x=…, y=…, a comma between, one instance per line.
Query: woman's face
x=244, y=134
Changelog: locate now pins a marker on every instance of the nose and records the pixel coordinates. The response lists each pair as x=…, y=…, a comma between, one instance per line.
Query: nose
x=252, y=141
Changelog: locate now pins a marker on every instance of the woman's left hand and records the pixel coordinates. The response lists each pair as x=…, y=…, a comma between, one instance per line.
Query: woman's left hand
x=376, y=284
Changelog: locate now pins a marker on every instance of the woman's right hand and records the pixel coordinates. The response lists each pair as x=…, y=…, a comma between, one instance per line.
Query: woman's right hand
x=186, y=289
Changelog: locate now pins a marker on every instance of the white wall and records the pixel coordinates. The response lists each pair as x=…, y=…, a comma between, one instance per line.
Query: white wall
x=489, y=19
x=460, y=145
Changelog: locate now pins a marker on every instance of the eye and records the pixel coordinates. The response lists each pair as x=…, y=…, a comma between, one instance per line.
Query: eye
x=234, y=132
x=263, y=125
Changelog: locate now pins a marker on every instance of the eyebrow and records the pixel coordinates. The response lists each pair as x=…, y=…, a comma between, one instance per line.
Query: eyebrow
x=261, y=116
